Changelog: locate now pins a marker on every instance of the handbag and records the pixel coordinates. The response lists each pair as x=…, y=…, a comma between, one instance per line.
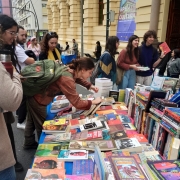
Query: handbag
x=119, y=75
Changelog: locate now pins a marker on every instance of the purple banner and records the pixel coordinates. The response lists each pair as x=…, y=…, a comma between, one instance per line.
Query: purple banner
x=126, y=21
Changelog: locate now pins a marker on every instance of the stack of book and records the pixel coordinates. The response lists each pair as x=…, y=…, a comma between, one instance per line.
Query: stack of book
x=104, y=85
x=110, y=144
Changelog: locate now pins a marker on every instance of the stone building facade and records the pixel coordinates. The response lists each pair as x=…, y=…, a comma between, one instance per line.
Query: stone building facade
x=64, y=17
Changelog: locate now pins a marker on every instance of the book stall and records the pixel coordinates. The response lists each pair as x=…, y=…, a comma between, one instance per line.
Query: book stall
x=131, y=134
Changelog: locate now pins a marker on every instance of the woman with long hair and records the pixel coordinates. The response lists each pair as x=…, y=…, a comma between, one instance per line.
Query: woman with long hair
x=35, y=47
x=10, y=95
x=48, y=47
x=128, y=60
x=98, y=50
x=173, y=66
x=78, y=71
x=107, y=64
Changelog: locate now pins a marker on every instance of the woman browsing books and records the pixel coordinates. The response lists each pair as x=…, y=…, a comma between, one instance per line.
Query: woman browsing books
x=78, y=71
x=173, y=66
x=127, y=61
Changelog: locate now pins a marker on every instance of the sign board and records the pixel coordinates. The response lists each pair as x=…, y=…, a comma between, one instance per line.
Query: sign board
x=126, y=21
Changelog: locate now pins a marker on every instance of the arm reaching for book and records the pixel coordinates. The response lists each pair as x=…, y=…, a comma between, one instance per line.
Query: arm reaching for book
x=97, y=100
x=94, y=88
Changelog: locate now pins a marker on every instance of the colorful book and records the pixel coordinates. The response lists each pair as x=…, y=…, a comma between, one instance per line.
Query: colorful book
x=47, y=163
x=119, y=135
x=128, y=144
x=124, y=119
x=45, y=174
x=82, y=167
x=79, y=177
x=166, y=170
x=57, y=137
x=140, y=137
x=115, y=128
x=126, y=168
x=71, y=155
x=104, y=145
x=50, y=149
x=114, y=122
x=129, y=126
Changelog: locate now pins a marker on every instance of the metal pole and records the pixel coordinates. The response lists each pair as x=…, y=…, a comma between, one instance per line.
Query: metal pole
x=107, y=21
x=82, y=32
x=36, y=20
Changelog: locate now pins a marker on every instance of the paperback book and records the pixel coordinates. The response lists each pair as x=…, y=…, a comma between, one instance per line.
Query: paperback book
x=126, y=168
x=71, y=155
x=57, y=137
x=78, y=177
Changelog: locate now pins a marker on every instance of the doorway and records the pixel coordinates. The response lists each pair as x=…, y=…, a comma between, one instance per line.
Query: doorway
x=173, y=26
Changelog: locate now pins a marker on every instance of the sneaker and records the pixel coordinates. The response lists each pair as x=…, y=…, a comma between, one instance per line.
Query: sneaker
x=18, y=167
x=21, y=126
x=32, y=146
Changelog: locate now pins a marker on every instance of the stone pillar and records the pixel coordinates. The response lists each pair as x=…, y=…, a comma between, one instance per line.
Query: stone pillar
x=154, y=18
x=49, y=15
x=55, y=16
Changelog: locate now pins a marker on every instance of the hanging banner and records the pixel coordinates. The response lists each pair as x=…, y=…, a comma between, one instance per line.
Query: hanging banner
x=126, y=21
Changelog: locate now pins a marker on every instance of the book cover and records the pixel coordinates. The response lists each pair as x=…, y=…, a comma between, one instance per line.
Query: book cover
x=140, y=137
x=119, y=135
x=114, y=122
x=147, y=147
x=91, y=126
x=115, y=128
x=111, y=116
x=89, y=145
x=96, y=134
x=79, y=136
x=105, y=112
x=57, y=137
x=121, y=95
x=124, y=119
x=129, y=126
x=45, y=174
x=166, y=169
x=74, y=123
x=50, y=149
x=106, y=135
x=164, y=48
x=71, y=155
x=119, y=106
x=79, y=177
x=126, y=168
x=82, y=167
x=129, y=144
x=47, y=163
x=174, y=112
x=103, y=108
x=114, y=94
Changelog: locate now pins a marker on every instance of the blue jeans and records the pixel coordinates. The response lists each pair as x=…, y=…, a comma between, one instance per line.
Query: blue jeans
x=129, y=80
x=8, y=174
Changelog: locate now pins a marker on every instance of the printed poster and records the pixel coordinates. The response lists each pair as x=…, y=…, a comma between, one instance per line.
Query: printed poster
x=126, y=21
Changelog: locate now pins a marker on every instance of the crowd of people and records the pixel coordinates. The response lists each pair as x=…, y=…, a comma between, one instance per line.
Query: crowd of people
x=33, y=109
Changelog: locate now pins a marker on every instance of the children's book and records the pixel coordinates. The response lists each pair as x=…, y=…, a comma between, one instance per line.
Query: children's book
x=126, y=168
x=128, y=144
x=71, y=155
x=47, y=163
x=119, y=135
x=57, y=137
x=104, y=145
x=42, y=174
x=166, y=169
x=50, y=149
x=164, y=48
x=82, y=167
x=79, y=177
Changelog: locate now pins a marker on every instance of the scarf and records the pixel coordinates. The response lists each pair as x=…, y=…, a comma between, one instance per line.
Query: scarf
x=51, y=56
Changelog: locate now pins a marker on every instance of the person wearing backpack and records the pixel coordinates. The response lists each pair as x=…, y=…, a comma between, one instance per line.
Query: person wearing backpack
x=78, y=71
x=49, y=48
x=107, y=63
x=148, y=57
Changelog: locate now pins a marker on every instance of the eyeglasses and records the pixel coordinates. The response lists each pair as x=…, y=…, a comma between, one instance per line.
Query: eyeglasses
x=12, y=33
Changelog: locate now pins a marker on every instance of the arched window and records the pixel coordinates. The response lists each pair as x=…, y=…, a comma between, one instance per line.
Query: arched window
x=101, y=15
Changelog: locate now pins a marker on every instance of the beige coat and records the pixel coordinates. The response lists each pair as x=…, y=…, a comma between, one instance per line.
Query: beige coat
x=10, y=99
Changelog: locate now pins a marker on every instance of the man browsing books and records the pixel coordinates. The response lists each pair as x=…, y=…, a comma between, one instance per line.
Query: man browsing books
x=148, y=57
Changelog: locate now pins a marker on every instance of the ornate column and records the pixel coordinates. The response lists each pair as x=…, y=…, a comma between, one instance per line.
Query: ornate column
x=55, y=15
x=154, y=18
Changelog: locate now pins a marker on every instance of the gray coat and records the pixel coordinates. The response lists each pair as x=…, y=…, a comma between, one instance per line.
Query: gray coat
x=174, y=67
